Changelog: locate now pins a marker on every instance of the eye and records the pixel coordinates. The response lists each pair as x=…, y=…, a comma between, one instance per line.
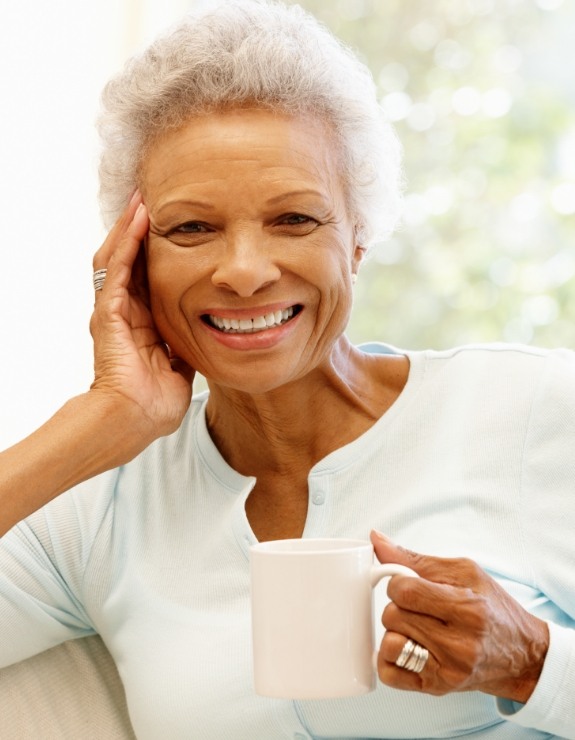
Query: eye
x=191, y=227
x=296, y=224
x=188, y=233
x=296, y=219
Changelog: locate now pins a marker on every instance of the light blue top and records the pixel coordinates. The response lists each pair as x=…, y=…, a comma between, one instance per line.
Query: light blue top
x=476, y=458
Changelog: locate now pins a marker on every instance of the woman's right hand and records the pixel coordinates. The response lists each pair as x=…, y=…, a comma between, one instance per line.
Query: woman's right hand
x=132, y=363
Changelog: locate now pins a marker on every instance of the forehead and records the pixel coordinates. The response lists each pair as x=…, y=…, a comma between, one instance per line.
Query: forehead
x=248, y=145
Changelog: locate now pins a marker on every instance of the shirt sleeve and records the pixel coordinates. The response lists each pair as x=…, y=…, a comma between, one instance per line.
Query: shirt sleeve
x=548, y=524
x=42, y=563
x=550, y=707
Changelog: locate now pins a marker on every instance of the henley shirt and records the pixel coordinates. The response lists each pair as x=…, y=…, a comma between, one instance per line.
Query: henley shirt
x=476, y=458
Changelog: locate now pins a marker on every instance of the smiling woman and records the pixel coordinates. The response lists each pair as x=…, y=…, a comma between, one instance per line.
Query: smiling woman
x=247, y=167
x=248, y=220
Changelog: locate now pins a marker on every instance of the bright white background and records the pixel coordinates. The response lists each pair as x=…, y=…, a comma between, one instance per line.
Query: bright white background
x=55, y=57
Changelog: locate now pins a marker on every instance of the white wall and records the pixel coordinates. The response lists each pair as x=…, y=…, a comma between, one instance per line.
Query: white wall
x=54, y=59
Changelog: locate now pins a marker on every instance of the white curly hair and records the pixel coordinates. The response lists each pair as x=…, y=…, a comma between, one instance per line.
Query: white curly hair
x=253, y=52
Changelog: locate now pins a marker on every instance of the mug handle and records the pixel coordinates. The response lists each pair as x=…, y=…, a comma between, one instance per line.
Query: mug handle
x=386, y=570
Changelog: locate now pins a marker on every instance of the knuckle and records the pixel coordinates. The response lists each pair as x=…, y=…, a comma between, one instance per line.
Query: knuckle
x=433, y=683
x=391, y=616
x=403, y=591
x=434, y=689
x=474, y=612
x=391, y=646
x=480, y=611
x=454, y=679
x=470, y=570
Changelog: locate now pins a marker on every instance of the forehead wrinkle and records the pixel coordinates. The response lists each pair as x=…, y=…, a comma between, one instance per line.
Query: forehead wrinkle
x=282, y=183
x=178, y=160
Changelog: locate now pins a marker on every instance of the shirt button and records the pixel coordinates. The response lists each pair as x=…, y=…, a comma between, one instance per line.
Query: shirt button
x=318, y=498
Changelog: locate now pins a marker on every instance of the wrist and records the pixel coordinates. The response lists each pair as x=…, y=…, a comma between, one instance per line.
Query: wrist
x=90, y=434
x=536, y=652
x=520, y=686
x=113, y=428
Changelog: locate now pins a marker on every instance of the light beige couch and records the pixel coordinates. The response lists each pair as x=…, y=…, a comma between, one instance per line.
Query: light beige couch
x=72, y=692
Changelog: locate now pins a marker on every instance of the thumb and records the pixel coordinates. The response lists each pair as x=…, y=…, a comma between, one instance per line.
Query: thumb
x=388, y=552
x=450, y=571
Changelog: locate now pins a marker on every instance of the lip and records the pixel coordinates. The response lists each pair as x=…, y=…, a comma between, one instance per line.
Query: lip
x=248, y=313
x=265, y=339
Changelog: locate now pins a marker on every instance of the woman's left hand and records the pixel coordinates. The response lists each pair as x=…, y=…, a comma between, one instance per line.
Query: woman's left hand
x=478, y=637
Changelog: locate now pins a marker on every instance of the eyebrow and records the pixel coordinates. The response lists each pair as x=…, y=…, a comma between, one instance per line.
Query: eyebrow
x=293, y=193
x=187, y=202
x=209, y=207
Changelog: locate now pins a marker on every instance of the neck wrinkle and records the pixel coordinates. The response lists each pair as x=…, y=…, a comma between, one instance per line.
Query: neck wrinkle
x=293, y=427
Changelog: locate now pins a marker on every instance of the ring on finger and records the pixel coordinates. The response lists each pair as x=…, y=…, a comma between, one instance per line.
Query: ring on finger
x=98, y=278
x=413, y=657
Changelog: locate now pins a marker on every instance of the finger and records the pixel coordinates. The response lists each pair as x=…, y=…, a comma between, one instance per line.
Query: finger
x=391, y=646
x=441, y=601
x=120, y=264
x=428, y=631
x=451, y=571
x=401, y=678
x=428, y=681
x=455, y=645
x=139, y=281
x=123, y=258
x=398, y=678
x=117, y=231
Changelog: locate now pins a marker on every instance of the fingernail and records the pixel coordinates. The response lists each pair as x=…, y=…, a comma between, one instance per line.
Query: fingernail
x=135, y=196
x=380, y=536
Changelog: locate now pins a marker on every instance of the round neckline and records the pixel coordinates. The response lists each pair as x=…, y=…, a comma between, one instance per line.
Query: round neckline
x=338, y=459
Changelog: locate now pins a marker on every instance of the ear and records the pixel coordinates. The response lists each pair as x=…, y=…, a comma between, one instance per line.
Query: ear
x=357, y=257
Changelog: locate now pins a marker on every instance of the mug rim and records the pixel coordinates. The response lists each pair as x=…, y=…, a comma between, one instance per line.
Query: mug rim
x=310, y=546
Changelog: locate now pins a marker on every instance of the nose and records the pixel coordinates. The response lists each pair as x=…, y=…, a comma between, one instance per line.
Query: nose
x=245, y=266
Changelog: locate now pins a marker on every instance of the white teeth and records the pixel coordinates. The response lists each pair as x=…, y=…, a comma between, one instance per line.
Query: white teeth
x=259, y=323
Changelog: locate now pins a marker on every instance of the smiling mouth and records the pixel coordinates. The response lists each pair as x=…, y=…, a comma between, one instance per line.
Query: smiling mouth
x=260, y=323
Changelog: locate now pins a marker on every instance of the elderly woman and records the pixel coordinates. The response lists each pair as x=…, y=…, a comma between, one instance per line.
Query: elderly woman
x=248, y=169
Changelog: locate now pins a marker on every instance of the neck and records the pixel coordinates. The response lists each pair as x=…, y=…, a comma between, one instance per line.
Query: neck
x=292, y=427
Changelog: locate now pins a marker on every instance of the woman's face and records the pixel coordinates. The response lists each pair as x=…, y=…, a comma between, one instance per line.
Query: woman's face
x=251, y=248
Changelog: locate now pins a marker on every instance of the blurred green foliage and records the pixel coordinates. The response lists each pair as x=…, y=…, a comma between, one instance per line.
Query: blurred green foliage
x=482, y=96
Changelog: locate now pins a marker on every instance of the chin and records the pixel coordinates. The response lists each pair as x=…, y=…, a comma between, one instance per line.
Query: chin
x=251, y=383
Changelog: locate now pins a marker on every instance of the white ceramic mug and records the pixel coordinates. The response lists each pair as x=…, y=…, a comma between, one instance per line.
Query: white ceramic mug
x=312, y=617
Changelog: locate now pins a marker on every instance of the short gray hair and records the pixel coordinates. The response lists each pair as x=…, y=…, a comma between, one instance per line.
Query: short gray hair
x=265, y=54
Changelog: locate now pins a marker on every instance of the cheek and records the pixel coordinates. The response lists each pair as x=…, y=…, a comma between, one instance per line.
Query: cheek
x=334, y=268
x=161, y=287
x=332, y=277
x=171, y=271
x=167, y=281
